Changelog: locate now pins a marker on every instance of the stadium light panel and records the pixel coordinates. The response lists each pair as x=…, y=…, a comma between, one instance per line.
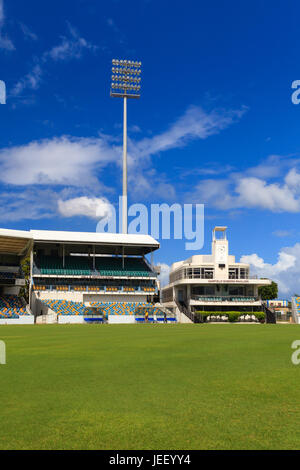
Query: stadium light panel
x=125, y=83
x=125, y=77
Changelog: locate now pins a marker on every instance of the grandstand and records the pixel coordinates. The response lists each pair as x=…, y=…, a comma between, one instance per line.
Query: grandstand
x=107, y=311
x=80, y=276
x=12, y=306
x=14, y=246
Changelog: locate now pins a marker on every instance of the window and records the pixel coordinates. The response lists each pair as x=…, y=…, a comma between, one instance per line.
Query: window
x=197, y=273
x=208, y=273
x=244, y=273
x=233, y=273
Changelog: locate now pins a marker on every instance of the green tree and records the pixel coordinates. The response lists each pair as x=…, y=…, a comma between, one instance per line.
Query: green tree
x=268, y=292
x=24, y=291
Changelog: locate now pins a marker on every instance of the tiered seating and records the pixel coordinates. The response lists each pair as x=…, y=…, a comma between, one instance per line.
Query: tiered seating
x=148, y=289
x=62, y=288
x=67, y=285
x=161, y=315
x=4, y=275
x=81, y=266
x=74, y=266
x=119, y=308
x=11, y=307
x=94, y=289
x=112, y=266
x=64, y=307
x=139, y=309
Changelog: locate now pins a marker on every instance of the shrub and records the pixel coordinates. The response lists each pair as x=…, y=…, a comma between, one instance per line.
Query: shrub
x=261, y=316
x=232, y=316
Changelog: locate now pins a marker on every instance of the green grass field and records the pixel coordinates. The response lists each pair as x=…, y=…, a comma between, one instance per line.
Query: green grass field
x=149, y=387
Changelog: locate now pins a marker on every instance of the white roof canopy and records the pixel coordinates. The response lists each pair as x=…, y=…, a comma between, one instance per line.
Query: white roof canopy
x=17, y=242
x=14, y=242
x=103, y=243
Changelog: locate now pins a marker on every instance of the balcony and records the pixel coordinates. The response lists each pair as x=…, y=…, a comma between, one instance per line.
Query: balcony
x=224, y=298
x=96, y=289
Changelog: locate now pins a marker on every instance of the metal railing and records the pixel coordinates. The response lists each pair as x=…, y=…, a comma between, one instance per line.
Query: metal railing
x=225, y=298
x=185, y=310
x=95, y=289
x=270, y=313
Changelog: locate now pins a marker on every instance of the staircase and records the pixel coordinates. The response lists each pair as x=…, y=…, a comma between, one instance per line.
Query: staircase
x=189, y=317
x=270, y=313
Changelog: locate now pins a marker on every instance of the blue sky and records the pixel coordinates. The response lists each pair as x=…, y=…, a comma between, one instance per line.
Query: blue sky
x=215, y=123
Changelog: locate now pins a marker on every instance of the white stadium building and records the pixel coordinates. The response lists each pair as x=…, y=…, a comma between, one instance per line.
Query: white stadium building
x=212, y=283
x=78, y=277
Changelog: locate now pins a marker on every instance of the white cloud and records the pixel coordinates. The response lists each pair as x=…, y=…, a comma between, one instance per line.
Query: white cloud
x=286, y=271
x=254, y=192
x=282, y=233
x=215, y=192
x=69, y=48
x=60, y=161
x=5, y=42
x=28, y=33
x=245, y=191
x=164, y=274
x=31, y=204
x=271, y=167
x=285, y=261
x=292, y=179
x=194, y=124
x=38, y=203
x=75, y=161
x=80, y=162
x=94, y=208
x=31, y=81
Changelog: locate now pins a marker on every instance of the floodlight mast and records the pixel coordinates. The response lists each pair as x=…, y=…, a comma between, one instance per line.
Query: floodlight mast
x=126, y=83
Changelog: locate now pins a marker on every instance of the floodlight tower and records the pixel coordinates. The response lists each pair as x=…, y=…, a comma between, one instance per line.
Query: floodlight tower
x=125, y=83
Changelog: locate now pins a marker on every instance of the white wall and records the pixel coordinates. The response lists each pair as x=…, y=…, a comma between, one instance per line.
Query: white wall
x=46, y=319
x=11, y=290
x=114, y=319
x=114, y=298
x=57, y=295
x=23, y=320
x=63, y=319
